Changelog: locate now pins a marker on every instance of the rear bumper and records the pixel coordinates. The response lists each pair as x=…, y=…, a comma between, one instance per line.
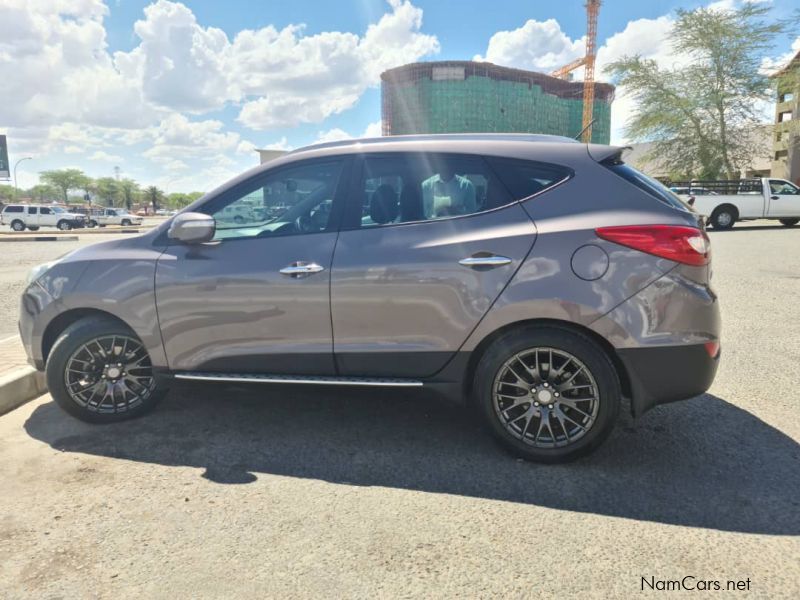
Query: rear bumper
x=667, y=373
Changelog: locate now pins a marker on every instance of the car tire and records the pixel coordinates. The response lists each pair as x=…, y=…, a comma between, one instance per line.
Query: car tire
x=789, y=222
x=64, y=225
x=723, y=218
x=577, y=424
x=17, y=225
x=101, y=391
x=126, y=223
x=91, y=224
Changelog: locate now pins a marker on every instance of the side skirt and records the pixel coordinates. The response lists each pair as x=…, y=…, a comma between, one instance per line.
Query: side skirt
x=304, y=380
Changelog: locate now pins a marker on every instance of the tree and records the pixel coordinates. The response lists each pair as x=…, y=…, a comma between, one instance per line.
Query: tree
x=154, y=196
x=44, y=193
x=64, y=179
x=6, y=192
x=108, y=189
x=702, y=115
x=128, y=188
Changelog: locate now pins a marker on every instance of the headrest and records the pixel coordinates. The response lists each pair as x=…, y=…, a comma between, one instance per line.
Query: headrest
x=383, y=207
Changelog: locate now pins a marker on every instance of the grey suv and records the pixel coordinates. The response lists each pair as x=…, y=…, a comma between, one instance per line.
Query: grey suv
x=539, y=279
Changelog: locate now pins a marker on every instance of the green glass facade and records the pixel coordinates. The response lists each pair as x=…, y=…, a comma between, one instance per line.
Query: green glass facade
x=463, y=97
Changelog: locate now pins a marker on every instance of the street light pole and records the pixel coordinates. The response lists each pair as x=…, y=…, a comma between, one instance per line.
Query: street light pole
x=15, y=173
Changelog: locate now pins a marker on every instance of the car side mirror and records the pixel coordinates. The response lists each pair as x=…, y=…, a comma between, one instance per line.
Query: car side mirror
x=192, y=228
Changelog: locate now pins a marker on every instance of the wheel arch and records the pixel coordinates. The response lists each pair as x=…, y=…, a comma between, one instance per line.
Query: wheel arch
x=483, y=345
x=57, y=326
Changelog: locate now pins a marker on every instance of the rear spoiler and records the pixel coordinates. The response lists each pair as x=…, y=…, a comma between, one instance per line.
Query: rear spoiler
x=600, y=152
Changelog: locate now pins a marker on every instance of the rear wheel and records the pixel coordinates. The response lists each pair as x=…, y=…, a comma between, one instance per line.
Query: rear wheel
x=17, y=225
x=547, y=394
x=64, y=225
x=126, y=222
x=789, y=222
x=100, y=372
x=723, y=217
x=91, y=223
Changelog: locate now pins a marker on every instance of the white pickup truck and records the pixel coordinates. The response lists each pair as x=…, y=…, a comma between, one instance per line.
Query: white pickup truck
x=112, y=216
x=725, y=202
x=33, y=216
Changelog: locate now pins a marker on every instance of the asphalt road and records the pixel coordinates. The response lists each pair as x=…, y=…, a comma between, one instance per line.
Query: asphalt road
x=272, y=492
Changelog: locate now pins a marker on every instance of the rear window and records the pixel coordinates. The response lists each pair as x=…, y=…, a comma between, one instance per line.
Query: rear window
x=525, y=178
x=647, y=184
x=12, y=209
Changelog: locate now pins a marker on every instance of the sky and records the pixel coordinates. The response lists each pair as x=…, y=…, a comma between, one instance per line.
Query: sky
x=179, y=94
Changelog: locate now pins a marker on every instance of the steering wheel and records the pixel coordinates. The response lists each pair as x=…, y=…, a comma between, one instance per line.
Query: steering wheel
x=304, y=224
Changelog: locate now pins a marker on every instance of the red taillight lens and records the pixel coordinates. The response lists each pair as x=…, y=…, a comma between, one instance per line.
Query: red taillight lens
x=712, y=348
x=687, y=245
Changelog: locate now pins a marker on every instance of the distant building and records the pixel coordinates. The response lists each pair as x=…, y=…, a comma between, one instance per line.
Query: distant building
x=478, y=97
x=786, y=135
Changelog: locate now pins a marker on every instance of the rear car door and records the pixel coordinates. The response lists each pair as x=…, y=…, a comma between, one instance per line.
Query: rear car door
x=784, y=199
x=428, y=243
x=256, y=299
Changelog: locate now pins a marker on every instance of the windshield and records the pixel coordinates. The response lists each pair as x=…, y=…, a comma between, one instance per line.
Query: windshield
x=58, y=209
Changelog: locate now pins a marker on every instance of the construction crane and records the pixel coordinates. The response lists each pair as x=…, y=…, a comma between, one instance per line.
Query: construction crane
x=592, y=9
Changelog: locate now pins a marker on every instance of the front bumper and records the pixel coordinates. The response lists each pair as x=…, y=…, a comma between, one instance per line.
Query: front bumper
x=664, y=374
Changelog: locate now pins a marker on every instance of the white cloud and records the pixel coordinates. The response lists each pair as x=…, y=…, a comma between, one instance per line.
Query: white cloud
x=245, y=147
x=537, y=46
x=105, y=157
x=374, y=129
x=281, y=144
x=336, y=134
x=73, y=150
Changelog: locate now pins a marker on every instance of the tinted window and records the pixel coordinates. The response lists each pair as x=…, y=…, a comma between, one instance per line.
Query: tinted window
x=525, y=178
x=32, y=210
x=421, y=187
x=287, y=202
x=12, y=209
x=651, y=186
x=45, y=211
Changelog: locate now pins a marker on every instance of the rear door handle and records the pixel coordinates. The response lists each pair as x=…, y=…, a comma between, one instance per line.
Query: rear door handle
x=300, y=269
x=485, y=261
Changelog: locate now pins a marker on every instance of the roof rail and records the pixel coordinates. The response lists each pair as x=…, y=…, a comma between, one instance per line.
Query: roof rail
x=498, y=137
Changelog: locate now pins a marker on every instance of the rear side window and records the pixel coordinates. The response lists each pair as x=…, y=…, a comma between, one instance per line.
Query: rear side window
x=525, y=178
x=408, y=188
x=12, y=209
x=650, y=186
x=32, y=210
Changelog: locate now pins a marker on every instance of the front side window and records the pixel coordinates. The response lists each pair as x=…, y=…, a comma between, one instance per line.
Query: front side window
x=407, y=188
x=783, y=188
x=45, y=210
x=290, y=201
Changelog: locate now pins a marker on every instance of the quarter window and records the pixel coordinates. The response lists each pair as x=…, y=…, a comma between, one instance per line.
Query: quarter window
x=524, y=178
x=407, y=188
x=290, y=201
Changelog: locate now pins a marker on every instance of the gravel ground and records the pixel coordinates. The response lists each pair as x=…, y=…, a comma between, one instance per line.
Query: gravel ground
x=272, y=492
x=17, y=258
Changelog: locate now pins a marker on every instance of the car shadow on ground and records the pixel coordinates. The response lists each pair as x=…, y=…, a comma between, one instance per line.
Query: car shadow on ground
x=701, y=463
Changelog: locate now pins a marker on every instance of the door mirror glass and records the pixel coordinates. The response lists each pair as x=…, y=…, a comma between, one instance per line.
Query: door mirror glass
x=192, y=228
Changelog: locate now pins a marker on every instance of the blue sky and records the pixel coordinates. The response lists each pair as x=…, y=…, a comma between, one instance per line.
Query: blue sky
x=179, y=94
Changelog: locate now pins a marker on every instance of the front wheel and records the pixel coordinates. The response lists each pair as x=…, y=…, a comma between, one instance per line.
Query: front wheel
x=126, y=223
x=64, y=225
x=91, y=224
x=100, y=372
x=789, y=222
x=547, y=394
x=18, y=225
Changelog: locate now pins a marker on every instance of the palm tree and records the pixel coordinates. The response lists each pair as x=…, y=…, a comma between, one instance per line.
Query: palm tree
x=129, y=189
x=154, y=195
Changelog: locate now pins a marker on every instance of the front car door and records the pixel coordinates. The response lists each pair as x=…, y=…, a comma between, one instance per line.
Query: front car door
x=47, y=217
x=784, y=199
x=32, y=218
x=256, y=299
x=428, y=243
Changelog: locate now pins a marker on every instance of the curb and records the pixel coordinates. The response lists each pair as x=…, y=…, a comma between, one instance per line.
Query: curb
x=39, y=238
x=20, y=386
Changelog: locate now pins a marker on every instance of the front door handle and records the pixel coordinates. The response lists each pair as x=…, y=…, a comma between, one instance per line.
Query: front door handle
x=301, y=269
x=774, y=198
x=491, y=260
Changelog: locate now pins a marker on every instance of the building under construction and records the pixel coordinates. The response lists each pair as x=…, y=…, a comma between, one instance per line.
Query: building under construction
x=477, y=97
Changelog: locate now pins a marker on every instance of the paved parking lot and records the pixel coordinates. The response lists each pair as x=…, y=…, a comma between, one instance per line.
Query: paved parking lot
x=253, y=492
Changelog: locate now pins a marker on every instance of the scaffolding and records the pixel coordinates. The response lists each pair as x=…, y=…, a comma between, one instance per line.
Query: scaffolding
x=473, y=97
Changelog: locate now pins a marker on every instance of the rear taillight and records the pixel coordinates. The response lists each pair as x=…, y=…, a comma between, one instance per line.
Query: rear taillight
x=687, y=245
